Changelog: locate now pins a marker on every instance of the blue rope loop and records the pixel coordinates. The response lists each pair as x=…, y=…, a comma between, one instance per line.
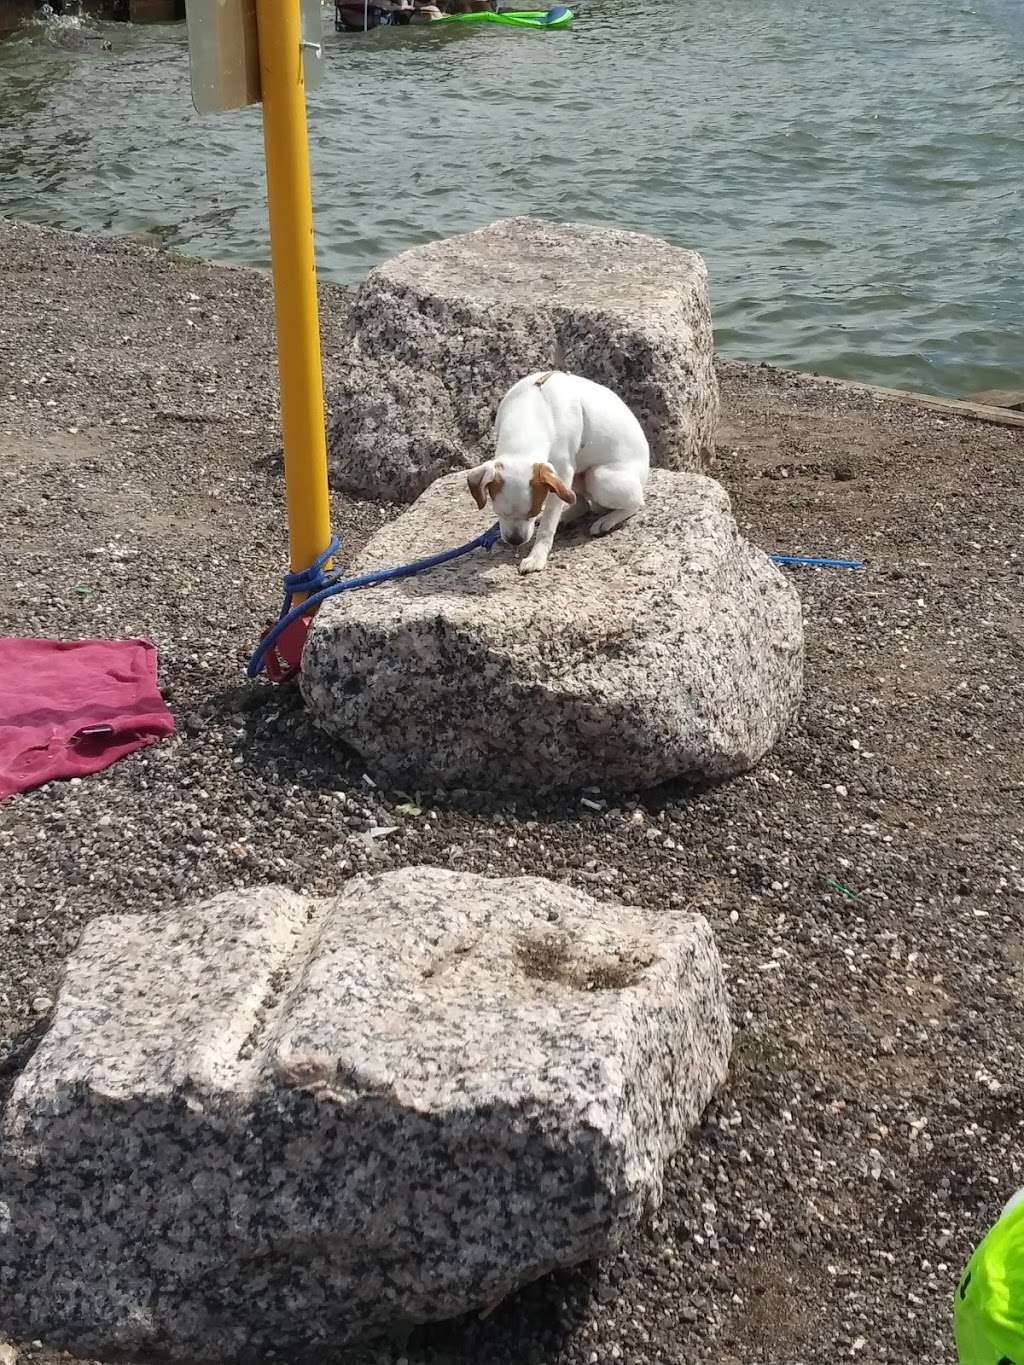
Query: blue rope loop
x=319, y=586
x=313, y=578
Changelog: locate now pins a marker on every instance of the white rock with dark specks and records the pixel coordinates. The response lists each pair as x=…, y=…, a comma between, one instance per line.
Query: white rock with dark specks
x=272, y=1124
x=669, y=649
x=440, y=333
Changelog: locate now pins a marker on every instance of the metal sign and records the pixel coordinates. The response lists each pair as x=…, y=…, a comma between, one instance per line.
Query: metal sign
x=224, y=55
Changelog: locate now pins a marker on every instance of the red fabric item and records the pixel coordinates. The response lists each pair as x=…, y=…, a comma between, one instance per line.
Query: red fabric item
x=69, y=708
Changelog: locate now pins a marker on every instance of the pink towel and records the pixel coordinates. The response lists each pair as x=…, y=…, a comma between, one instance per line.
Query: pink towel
x=69, y=708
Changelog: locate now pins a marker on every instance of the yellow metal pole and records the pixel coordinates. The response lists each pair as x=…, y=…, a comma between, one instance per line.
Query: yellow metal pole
x=290, y=205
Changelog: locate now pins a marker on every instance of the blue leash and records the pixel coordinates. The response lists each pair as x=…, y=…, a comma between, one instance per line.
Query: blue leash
x=317, y=586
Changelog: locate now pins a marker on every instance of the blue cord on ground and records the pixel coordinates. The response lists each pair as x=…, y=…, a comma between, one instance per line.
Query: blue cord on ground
x=317, y=586
x=811, y=561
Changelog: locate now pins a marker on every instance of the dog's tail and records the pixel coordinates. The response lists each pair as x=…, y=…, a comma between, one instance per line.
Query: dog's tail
x=559, y=365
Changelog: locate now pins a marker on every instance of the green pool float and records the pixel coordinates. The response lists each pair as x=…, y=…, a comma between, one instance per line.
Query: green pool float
x=558, y=17
x=988, y=1308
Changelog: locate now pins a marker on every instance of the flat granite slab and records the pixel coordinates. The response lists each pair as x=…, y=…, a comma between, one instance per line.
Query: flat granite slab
x=670, y=649
x=275, y=1124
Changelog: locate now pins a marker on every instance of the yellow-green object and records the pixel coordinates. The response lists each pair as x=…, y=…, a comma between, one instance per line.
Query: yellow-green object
x=988, y=1309
x=560, y=16
x=291, y=246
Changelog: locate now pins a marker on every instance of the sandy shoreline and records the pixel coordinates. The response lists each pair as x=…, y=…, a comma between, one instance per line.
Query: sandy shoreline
x=873, y=1121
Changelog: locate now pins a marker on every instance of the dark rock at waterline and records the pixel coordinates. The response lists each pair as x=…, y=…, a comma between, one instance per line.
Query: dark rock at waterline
x=999, y=398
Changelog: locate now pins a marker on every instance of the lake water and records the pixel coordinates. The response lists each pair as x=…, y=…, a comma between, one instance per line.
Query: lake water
x=851, y=171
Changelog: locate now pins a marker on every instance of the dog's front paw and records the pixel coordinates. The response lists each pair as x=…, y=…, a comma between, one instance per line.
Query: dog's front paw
x=533, y=563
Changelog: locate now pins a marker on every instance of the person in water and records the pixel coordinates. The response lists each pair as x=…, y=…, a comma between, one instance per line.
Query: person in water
x=380, y=14
x=385, y=13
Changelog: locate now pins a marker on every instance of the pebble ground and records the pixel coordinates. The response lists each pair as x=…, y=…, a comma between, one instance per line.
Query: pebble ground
x=864, y=883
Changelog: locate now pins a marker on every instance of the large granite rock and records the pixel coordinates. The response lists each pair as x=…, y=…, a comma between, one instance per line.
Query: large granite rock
x=669, y=649
x=442, y=331
x=271, y=1125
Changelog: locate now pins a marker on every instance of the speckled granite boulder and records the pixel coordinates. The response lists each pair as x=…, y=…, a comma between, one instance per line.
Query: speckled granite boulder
x=270, y=1125
x=671, y=648
x=442, y=331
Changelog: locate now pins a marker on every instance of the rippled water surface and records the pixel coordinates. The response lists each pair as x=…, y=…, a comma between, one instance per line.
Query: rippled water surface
x=851, y=171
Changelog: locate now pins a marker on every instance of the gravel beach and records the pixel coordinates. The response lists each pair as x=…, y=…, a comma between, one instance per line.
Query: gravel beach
x=864, y=883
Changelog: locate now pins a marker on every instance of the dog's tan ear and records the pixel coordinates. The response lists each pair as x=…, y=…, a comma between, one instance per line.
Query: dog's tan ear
x=545, y=477
x=479, y=479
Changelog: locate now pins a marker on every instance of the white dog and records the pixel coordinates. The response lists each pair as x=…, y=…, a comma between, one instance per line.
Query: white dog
x=559, y=434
